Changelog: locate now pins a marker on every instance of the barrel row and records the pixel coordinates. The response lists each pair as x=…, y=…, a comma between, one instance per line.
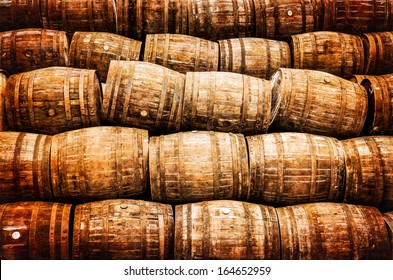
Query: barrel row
x=228, y=230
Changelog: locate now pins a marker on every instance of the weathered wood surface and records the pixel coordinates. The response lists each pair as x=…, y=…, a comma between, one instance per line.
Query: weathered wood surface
x=18, y=14
x=3, y=85
x=226, y=230
x=378, y=49
x=388, y=217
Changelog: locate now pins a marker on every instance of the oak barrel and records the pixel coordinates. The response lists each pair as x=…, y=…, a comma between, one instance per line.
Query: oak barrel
x=33, y=48
x=3, y=84
x=357, y=78
x=197, y=166
x=53, y=100
x=24, y=167
x=332, y=52
x=144, y=95
x=293, y=168
x=388, y=217
x=332, y=231
x=369, y=171
x=123, y=229
x=226, y=230
x=182, y=53
x=378, y=49
x=35, y=231
x=18, y=14
x=317, y=102
x=95, y=50
x=227, y=102
x=99, y=163
x=254, y=56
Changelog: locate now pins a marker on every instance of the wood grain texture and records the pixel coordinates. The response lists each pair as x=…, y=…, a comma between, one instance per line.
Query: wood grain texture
x=388, y=217
x=378, y=49
x=3, y=85
x=18, y=14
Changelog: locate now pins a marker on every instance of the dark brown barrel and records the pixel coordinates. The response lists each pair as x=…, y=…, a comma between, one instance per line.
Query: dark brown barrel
x=254, y=56
x=332, y=231
x=95, y=50
x=281, y=19
x=53, y=100
x=369, y=171
x=197, y=166
x=293, y=168
x=17, y=14
x=3, y=85
x=221, y=19
x=35, y=231
x=123, y=229
x=99, y=163
x=388, y=217
x=332, y=52
x=145, y=95
x=33, y=48
x=227, y=102
x=298, y=104
x=182, y=53
x=24, y=167
x=226, y=230
x=378, y=50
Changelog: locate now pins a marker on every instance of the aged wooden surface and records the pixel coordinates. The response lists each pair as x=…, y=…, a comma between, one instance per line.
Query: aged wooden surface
x=254, y=56
x=378, y=49
x=332, y=231
x=144, y=95
x=388, y=217
x=123, y=229
x=332, y=52
x=24, y=167
x=95, y=50
x=99, y=163
x=198, y=166
x=228, y=102
x=293, y=168
x=35, y=230
x=317, y=102
x=3, y=84
x=182, y=53
x=17, y=14
x=369, y=171
x=53, y=100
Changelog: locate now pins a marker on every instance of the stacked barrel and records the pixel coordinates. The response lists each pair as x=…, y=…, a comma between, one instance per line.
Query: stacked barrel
x=196, y=129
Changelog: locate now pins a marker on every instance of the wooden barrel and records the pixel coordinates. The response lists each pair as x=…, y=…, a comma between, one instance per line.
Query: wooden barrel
x=123, y=229
x=378, y=49
x=99, y=163
x=137, y=18
x=332, y=52
x=358, y=78
x=313, y=232
x=24, y=167
x=228, y=102
x=35, y=230
x=95, y=50
x=18, y=14
x=254, y=56
x=293, y=168
x=144, y=95
x=369, y=171
x=197, y=166
x=281, y=19
x=3, y=84
x=221, y=19
x=226, y=230
x=388, y=217
x=53, y=100
x=298, y=104
x=182, y=53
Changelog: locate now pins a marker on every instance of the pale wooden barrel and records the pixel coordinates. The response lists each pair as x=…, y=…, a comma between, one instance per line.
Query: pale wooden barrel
x=313, y=232
x=332, y=52
x=378, y=48
x=227, y=102
x=99, y=163
x=53, y=100
x=35, y=231
x=197, y=166
x=293, y=168
x=182, y=53
x=298, y=106
x=143, y=95
x=369, y=171
x=388, y=217
x=18, y=14
x=33, y=48
x=123, y=229
x=24, y=167
x=95, y=50
x=3, y=84
x=256, y=57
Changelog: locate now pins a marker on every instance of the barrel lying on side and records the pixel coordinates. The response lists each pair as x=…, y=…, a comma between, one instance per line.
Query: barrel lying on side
x=35, y=230
x=226, y=230
x=17, y=14
x=3, y=85
x=388, y=217
x=123, y=229
x=378, y=48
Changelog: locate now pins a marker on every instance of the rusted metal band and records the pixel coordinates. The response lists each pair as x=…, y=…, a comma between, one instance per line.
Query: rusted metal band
x=246, y=81
x=67, y=102
x=33, y=246
x=30, y=99
x=52, y=232
x=236, y=167
x=17, y=162
x=161, y=105
x=198, y=47
x=166, y=49
x=127, y=94
x=314, y=168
